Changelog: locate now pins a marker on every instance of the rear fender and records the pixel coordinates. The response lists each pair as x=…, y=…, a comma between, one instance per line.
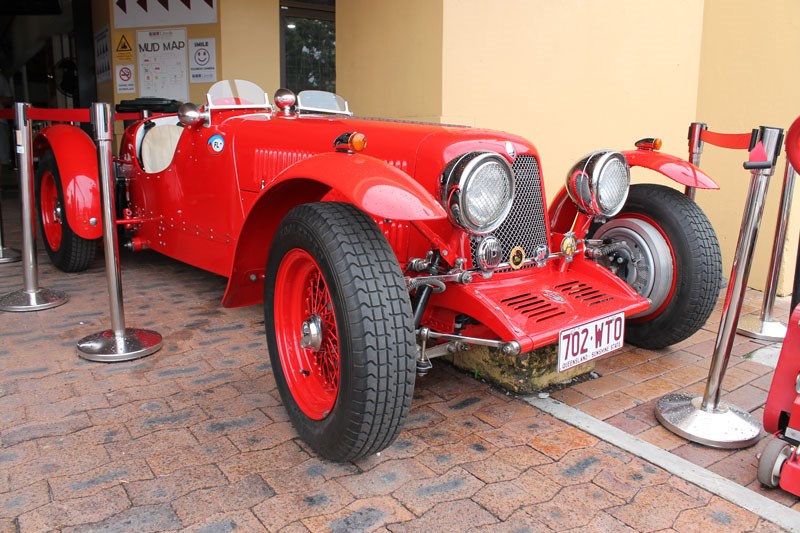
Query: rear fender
x=672, y=167
x=793, y=144
x=375, y=187
x=563, y=210
x=76, y=158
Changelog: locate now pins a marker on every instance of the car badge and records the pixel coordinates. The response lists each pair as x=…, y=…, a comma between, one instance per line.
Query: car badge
x=216, y=143
x=512, y=153
x=517, y=257
x=554, y=296
x=541, y=254
x=569, y=245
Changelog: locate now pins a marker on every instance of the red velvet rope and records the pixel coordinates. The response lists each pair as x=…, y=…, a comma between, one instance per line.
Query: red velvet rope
x=736, y=141
x=63, y=115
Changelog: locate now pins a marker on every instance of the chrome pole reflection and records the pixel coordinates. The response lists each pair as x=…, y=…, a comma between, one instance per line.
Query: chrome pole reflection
x=119, y=343
x=764, y=327
x=695, y=151
x=31, y=297
x=706, y=419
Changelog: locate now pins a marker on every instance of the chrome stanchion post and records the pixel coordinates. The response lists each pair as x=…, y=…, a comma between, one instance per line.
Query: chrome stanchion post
x=119, y=343
x=695, y=150
x=764, y=327
x=7, y=255
x=706, y=419
x=796, y=284
x=31, y=297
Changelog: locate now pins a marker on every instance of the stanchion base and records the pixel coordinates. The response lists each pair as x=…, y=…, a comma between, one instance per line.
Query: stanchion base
x=9, y=255
x=752, y=326
x=39, y=300
x=726, y=427
x=106, y=347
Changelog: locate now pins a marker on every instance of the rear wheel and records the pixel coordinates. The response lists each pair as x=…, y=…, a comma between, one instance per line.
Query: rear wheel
x=67, y=250
x=668, y=252
x=339, y=330
x=771, y=462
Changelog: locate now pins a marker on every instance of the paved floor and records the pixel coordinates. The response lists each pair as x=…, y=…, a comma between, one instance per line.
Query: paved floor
x=195, y=437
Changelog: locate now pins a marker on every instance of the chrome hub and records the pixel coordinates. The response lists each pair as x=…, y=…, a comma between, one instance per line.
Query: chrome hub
x=643, y=258
x=57, y=212
x=311, y=332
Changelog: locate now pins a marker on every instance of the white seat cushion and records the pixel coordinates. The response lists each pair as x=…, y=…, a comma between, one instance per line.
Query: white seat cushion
x=159, y=145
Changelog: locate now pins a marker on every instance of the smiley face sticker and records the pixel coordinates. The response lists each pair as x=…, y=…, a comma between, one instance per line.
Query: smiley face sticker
x=216, y=143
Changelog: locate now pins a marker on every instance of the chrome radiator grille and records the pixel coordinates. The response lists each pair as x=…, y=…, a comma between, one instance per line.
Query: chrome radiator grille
x=525, y=224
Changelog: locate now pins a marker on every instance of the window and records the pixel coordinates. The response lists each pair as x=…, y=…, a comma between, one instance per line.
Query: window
x=308, y=45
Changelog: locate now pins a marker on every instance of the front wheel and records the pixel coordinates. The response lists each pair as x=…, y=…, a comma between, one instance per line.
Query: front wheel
x=339, y=330
x=67, y=250
x=668, y=252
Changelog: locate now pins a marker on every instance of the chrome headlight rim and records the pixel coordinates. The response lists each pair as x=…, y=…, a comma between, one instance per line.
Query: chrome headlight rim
x=455, y=181
x=585, y=181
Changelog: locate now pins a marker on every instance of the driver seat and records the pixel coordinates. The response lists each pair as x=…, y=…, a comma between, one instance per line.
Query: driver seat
x=159, y=145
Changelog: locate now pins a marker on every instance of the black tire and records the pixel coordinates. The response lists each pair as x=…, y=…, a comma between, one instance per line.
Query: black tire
x=681, y=268
x=70, y=253
x=771, y=462
x=373, y=329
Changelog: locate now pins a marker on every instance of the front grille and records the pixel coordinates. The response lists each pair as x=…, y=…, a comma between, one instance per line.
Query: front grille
x=525, y=224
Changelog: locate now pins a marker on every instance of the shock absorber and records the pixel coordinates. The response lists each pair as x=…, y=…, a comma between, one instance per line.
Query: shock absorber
x=418, y=304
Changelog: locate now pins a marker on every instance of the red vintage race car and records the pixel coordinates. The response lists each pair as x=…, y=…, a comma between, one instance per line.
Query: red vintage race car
x=375, y=245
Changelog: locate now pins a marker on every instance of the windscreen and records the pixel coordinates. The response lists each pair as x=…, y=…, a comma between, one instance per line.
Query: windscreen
x=232, y=94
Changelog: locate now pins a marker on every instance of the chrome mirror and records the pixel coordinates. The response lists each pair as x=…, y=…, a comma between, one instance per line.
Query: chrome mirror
x=189, y=114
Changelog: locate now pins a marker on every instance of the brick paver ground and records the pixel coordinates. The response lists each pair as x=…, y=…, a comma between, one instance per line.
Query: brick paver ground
x=632, y=381
x=195, y=437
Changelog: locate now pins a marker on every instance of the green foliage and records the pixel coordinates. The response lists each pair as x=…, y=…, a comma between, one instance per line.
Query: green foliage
x=310, y=55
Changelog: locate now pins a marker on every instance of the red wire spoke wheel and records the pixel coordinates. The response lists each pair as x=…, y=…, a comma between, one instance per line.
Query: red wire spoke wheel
x=669, y=253
x=310, y=360
x=339, y=330
x=51, y=209
x=67, y=250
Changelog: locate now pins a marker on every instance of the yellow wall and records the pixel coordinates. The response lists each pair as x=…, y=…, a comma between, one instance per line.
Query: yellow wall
x=573, y=76
x=389, y=57
x=748, y=78
x=250, y=47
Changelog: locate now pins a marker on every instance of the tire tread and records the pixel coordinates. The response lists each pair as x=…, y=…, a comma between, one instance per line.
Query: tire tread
x=379, y=321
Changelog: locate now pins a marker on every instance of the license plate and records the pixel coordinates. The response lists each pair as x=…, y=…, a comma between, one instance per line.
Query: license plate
x=583, y=343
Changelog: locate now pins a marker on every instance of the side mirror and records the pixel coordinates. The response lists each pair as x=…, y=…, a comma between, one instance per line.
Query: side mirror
x=190, y=115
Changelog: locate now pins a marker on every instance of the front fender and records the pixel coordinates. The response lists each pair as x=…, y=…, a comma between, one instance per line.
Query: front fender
x=76, y=158
x=373, y=186
x=672, y=167
x=380, y=189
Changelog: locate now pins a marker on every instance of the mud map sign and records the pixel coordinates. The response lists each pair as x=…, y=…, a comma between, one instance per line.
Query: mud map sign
x=163, y=70
x=140, y=13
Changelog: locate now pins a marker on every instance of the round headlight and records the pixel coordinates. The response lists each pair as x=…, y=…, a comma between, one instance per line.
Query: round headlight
x=478, y=190
x=599, y=183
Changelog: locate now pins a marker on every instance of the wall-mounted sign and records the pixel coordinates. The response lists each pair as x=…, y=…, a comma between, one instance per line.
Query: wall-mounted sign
x=163, y=70
x=126, y=84
x=123, y=51
x=202, y=60
x=141, y=13
x=102, y=55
